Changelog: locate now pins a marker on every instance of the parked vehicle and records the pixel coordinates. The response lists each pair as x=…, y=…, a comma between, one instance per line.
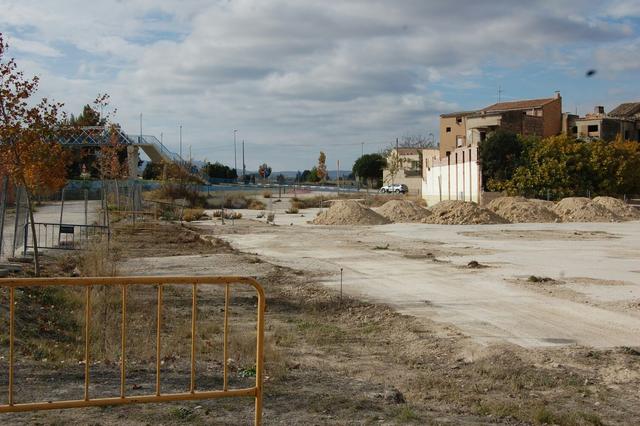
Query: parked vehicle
x=398, y=188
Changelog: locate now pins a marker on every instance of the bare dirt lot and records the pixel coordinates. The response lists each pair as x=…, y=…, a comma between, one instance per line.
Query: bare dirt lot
x=480, y=345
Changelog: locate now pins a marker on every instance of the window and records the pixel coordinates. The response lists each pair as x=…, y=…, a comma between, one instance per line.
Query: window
x=458, y=120
x=592, y=128
x=574, y=130
x=448, y=129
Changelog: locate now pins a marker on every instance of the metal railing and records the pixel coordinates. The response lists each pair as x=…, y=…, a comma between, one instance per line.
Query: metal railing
x=124, y=283
x=63, y=236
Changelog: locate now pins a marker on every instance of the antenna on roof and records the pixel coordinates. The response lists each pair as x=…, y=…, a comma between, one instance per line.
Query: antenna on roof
x=499, y=93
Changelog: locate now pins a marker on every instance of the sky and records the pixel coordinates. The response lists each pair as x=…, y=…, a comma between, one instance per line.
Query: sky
x=297, y=77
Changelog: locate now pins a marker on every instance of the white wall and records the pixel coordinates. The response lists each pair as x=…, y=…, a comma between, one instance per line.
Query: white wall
x=453, y=178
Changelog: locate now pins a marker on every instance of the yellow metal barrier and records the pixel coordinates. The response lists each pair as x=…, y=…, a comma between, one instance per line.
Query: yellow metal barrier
x=158, y=396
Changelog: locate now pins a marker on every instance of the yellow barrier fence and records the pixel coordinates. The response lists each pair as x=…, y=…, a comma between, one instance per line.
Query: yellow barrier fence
x=158, y=396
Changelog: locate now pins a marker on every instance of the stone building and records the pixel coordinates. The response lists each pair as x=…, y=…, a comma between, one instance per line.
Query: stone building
x=535, y=117
x=623, y=121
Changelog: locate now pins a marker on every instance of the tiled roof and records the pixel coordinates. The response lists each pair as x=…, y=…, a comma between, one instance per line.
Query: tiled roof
x=628, y=109
x=517, y=105
x=457, y=114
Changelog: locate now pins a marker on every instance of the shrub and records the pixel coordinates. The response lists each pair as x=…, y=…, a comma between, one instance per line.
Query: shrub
x=190, y=215
x=292, y=210
x=266, y=194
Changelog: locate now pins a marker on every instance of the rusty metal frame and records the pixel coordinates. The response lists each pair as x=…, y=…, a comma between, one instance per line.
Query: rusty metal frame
x=157, y=396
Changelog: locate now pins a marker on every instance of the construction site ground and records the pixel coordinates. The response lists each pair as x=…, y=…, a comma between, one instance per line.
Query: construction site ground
x=543, y=329
x=589, y=292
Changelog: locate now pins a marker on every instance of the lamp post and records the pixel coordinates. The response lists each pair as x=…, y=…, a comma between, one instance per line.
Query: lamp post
x=235, y=153
x=181, y=142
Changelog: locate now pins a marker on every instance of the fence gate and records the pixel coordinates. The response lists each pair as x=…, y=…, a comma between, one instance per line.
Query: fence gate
x=227, y=283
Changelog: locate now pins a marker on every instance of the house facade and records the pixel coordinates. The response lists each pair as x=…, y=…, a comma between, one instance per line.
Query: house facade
x=623, y=121
x=531, y=117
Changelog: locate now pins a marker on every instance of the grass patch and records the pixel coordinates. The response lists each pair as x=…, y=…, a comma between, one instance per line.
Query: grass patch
x=321, y=333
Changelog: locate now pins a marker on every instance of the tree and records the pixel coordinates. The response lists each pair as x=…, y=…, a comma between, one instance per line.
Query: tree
x=321, y=170
x=30, y=131
x=500, y=155
x=557, y=166
x=393, y=161
x=369, y=167
x=152, y=171
x=280, y=179
x=85, y=157
x=220, y=171
x=417, y=141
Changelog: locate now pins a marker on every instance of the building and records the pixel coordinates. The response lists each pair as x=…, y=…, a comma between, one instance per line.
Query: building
x=409, y=171
x=623, y=121
x=453, y=172
x=535, y=117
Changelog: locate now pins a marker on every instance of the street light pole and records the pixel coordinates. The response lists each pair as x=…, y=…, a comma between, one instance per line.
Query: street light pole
x=362, y=150
x=181, y=142
x=140, y=127
x=235, y=152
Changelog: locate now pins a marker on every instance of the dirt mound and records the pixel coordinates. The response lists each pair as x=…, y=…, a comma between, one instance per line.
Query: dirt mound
x=581, y=209
x=450, y=212
x=523, y=210
x=403, y=211
x=349, y=212
x=618, y=207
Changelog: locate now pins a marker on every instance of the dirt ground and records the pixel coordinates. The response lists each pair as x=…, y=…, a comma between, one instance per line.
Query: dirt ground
x=333, y=361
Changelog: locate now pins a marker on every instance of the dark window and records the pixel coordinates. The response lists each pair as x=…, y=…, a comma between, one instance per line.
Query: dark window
x=574, y=129
x=592, y=128
x=448, y=129
x=458, y=120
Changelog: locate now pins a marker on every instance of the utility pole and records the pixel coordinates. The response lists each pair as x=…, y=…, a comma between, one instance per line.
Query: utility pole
x=235, y=156
x=499, y=93
x=362, y=150
x=189, y=154
x=140, y=127
x=181, y=142
x=244, y=166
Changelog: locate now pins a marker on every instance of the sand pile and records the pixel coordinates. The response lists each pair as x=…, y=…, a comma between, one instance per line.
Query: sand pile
x=349, y=212
x=581, y=209
x=403, y=211
x=523, y=210
x=450, y=212
x=618, y=208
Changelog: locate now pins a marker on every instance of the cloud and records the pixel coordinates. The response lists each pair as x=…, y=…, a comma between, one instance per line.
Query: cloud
x=314, y=71
x=33, y=47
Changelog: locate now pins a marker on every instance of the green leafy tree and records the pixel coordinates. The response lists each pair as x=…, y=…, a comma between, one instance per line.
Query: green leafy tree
x=557, y=166
x=369, y=167
x=220, y=171
x=500, y=155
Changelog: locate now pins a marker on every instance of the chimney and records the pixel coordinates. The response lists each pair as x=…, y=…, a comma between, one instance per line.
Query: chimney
x=556, y=94
x=599, y=109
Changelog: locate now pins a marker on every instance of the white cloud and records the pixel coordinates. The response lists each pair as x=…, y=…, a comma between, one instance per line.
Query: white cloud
x=33, y=47
x=313, y=71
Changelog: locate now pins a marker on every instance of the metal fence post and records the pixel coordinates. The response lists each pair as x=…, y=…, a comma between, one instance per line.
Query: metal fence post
x=3, y=208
